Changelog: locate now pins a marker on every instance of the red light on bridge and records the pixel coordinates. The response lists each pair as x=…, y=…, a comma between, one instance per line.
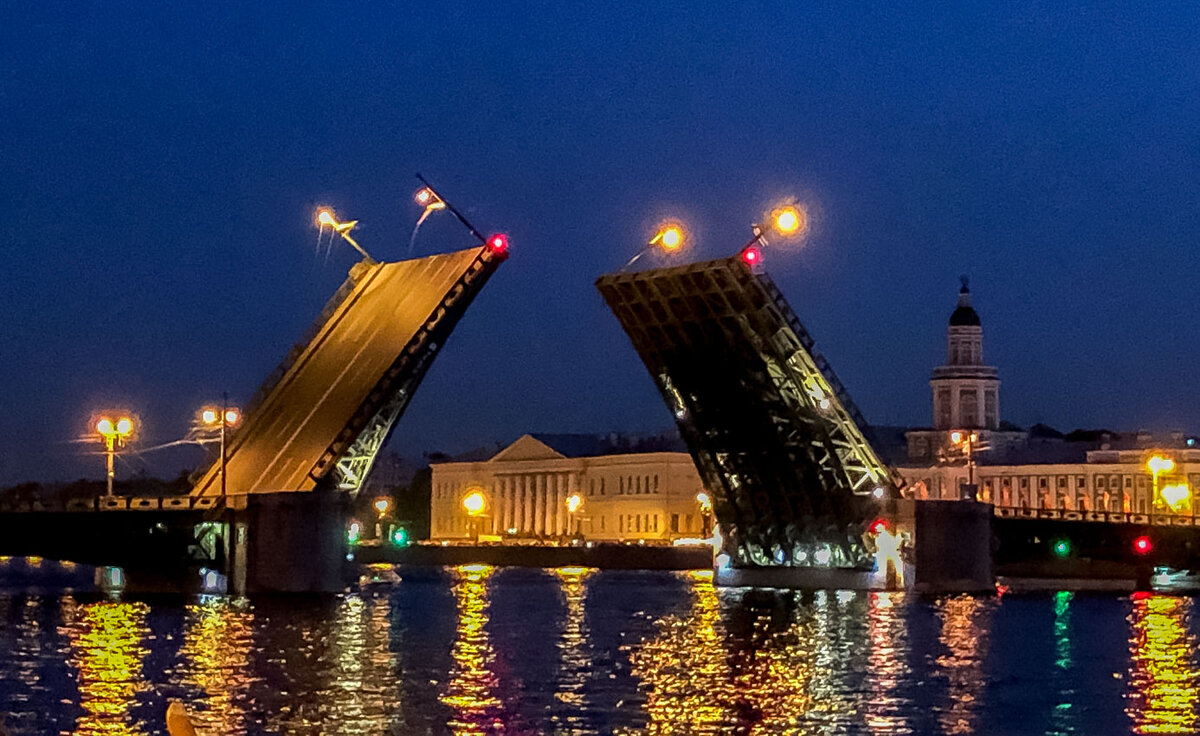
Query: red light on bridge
x=498, y=243
x=879, y=526
x=752, y=256
x=1142, y=545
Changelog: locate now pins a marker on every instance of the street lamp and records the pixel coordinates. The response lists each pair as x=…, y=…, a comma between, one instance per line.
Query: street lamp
x=574, y=503
x=1157, y=465
x=705, y=503
x=114, y=432
x=474, y=503
x=669, y=238
x=222, y=419
x=786, y=221
x=327, y=218
x=1177, y=495
x=967, y=442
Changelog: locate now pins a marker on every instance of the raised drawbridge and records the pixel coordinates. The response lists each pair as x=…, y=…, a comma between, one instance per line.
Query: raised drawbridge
x=778, y=441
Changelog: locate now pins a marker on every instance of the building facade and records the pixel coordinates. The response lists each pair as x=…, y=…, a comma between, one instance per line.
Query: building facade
x=1037, y=469
x=648, y=496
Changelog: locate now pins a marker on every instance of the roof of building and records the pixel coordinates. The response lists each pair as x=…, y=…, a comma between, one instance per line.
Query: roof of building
x=592, y=445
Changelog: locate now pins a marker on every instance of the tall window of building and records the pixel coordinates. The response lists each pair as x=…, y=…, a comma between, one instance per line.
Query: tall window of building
x=674, y=523
x=968, y=409
x=943, y=401
x=991, y=409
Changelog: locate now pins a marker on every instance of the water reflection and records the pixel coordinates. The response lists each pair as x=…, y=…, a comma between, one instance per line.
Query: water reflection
x=575, y=664
x=217, y=640
x=1063, y=718
x=684, y=670
x=887, y=664
x=106, y=640
x=1163, y=683
x=471, y=691
x=965, y=625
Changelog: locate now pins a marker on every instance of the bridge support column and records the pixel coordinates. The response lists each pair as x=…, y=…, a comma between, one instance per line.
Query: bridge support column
x=295, y=542
x=954, y=547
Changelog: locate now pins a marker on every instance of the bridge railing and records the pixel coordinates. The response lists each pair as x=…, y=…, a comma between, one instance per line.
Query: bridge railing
x=1106, y=517
x=113, y=503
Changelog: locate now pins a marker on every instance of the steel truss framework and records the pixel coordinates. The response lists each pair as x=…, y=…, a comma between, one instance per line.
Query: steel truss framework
x=777, y=440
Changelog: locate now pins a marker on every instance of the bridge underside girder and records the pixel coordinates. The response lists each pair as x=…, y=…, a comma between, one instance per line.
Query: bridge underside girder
x=775, y=436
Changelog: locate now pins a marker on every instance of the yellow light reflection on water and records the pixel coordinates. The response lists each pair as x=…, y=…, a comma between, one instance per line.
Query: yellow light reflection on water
x=471, y=691
x=575, y=663
x=217, y=640
x=1163, y=681
x=107, y=649
x=964, y=626
x=684, y=670
x=886, y=663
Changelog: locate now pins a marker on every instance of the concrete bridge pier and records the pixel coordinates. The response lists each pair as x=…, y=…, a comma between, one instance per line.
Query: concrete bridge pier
x=288, y=543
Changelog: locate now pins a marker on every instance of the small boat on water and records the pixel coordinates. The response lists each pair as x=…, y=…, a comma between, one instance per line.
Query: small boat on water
x=1170, y=580
x=379, y=573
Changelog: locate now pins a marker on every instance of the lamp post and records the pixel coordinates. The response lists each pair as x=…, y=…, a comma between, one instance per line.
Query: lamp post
x=222, y=419
x=1157, y=465
x=669, y=238
x=474, y=503
x=574, y=504
x=114, y=433
x=787, y=221
x=382, y=506
x=705, y=503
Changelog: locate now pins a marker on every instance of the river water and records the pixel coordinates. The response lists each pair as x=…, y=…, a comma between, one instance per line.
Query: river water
x=571, y=651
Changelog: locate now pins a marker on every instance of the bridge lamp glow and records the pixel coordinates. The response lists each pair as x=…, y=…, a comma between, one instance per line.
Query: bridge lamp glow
x=705, y=501
x=382, y=505
x=353, y=531
x=1159, y=464
x=399, y=536
x=474, y=503
x=1061, y=548
x=788, y=220
x=879, y=492
x=752, y=256
x=574, y=503
x=669, y=237
x=429, y=199
x=1176, y=496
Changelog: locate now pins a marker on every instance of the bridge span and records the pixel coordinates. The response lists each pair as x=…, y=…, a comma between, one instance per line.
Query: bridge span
x=273, y=515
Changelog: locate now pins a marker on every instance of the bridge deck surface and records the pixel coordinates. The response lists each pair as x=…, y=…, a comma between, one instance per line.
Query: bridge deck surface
x=286, y=434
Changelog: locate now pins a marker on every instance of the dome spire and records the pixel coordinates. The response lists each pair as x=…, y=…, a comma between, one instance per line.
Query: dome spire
x=965, y=315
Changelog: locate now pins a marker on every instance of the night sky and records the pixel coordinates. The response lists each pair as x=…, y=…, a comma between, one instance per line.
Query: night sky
x=160, y=168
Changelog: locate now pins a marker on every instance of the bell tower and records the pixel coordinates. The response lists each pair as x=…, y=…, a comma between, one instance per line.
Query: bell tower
x=966, y=393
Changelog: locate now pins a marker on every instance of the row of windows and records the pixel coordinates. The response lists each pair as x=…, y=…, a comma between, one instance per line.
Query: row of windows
x=627, y=485
x=637, y=523
x=1081, y=481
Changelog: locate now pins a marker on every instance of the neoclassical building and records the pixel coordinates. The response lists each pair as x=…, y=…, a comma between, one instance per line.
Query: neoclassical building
x=1035, y=469
x=646, y=491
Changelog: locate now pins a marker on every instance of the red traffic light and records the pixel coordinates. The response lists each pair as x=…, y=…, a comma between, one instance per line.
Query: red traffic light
x=498, y=243
x=752, y=256
x=879, y=526
x=1142, y=545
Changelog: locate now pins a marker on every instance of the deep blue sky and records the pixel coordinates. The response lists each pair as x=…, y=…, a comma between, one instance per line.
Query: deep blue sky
x=160, y=166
